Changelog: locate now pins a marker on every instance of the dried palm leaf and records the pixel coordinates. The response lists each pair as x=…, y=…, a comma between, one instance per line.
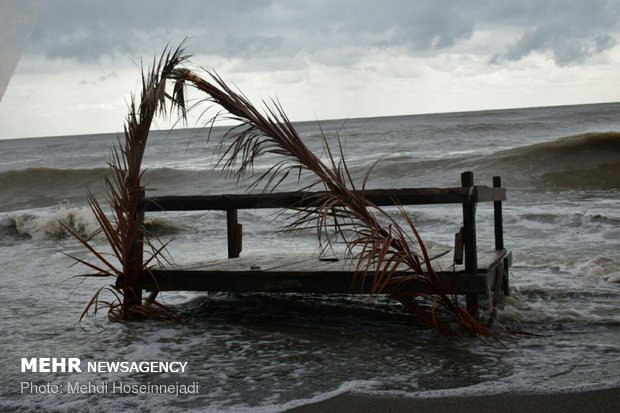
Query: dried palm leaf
x=380, y=248
x=122, y=228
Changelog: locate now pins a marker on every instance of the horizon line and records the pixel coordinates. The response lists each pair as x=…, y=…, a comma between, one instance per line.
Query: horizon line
x=332, y=119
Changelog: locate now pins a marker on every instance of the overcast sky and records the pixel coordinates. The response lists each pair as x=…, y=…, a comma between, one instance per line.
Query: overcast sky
x=323, y=59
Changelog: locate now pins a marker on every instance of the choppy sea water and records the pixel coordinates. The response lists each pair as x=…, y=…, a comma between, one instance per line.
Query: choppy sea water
x=266, y=352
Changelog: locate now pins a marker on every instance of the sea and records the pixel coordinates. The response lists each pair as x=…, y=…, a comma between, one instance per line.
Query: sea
x=270, y=352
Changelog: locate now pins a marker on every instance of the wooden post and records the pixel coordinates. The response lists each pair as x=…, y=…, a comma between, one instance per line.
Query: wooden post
x=132, y=294
x=234, y=232
x=458, y=247
x=497, y=217
x=469, y=238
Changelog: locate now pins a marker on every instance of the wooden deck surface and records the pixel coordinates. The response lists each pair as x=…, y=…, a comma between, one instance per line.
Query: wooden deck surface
x=309, y=274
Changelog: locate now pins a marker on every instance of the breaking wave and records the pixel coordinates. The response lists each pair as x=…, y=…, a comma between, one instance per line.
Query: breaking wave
x=589, y=160
x=37, y=187
x=50, y=224
x=44, y=187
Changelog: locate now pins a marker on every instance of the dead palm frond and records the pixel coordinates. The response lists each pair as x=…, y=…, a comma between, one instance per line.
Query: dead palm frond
x=381, y=244
x=123, y=229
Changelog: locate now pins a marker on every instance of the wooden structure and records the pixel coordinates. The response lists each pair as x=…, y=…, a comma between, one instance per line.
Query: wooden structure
x=472, y=274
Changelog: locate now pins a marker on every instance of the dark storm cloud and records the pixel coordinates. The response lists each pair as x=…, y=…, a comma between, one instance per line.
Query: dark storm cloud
x=88, y=30
x=571, y=30
x=328, y=31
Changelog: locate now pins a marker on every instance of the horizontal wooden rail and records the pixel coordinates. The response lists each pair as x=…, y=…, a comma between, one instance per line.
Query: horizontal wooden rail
x=381, y=197
x=317, y=282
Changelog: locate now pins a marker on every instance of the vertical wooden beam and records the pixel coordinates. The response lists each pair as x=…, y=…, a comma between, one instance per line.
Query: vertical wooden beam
x=469, y=225
x=458, y=247
x=469, y=238
x=234, y=233
x=498, y=217
x=132, y=294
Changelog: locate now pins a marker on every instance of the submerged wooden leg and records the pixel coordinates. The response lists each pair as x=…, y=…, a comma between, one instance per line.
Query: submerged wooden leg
x=496, y=293
x=471, y=301
x=505, y=283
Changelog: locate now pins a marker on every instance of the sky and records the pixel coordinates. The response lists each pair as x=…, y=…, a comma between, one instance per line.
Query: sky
x=323, y=59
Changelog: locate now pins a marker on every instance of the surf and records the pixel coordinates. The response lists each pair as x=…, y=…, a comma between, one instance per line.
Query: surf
x=588, y=160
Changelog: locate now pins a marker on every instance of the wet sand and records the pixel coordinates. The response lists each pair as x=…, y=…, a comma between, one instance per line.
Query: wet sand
x=600, y=401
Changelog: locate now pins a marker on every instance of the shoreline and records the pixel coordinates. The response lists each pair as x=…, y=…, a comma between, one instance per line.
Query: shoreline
x=600, y=401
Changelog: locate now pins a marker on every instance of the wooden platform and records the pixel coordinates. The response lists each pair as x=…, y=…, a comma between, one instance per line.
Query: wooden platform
x=467, y=272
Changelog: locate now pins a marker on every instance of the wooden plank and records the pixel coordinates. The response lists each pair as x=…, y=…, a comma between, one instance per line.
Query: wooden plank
x=485, y=194
x=498, y=220
x=321, y=282
x=381, y=197
x=458, y=247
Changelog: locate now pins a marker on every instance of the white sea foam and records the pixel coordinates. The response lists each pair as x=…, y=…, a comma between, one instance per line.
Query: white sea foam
x=50, y=224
